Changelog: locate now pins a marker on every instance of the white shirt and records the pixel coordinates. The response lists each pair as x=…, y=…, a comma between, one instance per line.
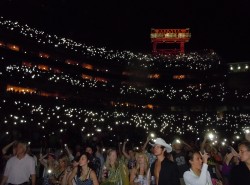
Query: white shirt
x=18, y=171
x=204, y=179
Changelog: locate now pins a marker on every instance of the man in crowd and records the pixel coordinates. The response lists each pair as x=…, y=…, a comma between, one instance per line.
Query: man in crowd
x=20, y=167
x=164, y=170
x=94, y=162
x=180, y=149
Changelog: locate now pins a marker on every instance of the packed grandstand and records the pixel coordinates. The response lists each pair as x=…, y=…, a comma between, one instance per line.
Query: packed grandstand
x=54, y=87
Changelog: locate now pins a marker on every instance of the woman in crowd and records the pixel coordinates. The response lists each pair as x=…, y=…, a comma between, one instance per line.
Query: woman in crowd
x=83, y=174
x=198, y=173
x=49, y=163
x=60, y=174
x=114, y=172
x=140, y=174
x=130, y=156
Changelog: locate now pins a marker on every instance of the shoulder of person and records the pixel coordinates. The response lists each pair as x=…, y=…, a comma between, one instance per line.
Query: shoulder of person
x=92, y=173
x=29, y=157
x=169, y=161
x=12, y=158
x=188, y=172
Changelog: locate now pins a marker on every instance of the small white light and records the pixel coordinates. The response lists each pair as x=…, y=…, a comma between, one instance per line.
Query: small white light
x=178, y=141
x=152, y=135
x=211, y=136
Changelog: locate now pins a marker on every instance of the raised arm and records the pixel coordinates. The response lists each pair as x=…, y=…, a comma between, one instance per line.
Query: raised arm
x=124, y=150
x=42, y=160
x=5, y=149
x=202, y=179
x=145, y=144
x=203, y=144
x=71, y=176
x=71, y=157
x=188, y=147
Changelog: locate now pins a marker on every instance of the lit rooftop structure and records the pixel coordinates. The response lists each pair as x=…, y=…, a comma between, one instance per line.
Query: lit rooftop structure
x=169, y=36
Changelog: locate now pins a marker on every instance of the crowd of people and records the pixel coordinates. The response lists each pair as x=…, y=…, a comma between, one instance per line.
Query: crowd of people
x=155, y=163
x=194, y=61
x=200, y=93
x=48, y=117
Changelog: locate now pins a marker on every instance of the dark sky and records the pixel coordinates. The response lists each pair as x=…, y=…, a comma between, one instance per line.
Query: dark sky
x=222, y=25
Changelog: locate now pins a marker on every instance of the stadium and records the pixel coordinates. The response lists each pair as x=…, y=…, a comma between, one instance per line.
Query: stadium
x=55, y=90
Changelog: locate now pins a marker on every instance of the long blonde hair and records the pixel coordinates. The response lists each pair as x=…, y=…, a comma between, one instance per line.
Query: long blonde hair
x=107, y=162
x=146, y=163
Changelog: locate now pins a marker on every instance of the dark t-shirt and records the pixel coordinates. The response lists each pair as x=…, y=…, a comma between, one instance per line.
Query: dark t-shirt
x=212, y=167
x=179, y=159
x=240, y=175
x=95, y=164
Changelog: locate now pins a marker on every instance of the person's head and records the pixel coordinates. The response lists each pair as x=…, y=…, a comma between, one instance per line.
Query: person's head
x=177, y=146
x=98, y=149
x=63, y=161
x=51, y=157
x=89, y=150
x=194, y=159
x=208, y=148
x=142, y=162
x=111, y=156
x=161, y=147
x=21, y=148
x=84, y=159
x=244, y=151
x=131, y=153
x=141, y=158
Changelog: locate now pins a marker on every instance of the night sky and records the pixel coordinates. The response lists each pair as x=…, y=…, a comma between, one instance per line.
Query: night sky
x=222, y=25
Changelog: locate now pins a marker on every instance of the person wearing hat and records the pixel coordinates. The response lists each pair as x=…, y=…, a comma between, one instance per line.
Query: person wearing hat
x=163, y=170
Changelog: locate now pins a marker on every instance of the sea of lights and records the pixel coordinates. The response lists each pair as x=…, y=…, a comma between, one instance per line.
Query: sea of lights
x=62, y=117
x=193, y=61
x=201, y=93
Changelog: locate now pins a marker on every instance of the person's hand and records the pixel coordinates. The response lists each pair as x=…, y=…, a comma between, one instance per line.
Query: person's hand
x=234, y=152
x=204, y=156
x=230, y=155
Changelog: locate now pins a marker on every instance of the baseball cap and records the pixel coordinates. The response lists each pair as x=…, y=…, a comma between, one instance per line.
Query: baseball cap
x=160, y=141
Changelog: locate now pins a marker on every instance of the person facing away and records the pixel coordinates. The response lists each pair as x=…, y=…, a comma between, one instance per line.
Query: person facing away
x=164, y=170
x=20, y=167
